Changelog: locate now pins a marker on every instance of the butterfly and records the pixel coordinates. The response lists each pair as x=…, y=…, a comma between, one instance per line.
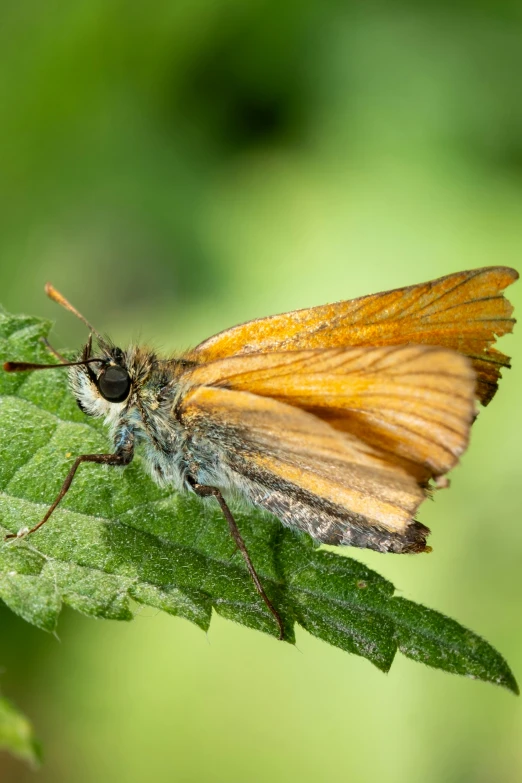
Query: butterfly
x=339, y=419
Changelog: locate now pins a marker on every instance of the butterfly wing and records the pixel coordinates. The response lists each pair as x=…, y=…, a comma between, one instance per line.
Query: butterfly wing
x=413, y=404
x=287, y=461
x=465, y=311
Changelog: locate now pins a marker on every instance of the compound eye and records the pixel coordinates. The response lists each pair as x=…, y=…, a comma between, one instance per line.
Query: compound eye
x=114, y=384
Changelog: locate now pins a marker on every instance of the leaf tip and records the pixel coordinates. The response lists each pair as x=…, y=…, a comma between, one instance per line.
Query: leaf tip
x=510, y=683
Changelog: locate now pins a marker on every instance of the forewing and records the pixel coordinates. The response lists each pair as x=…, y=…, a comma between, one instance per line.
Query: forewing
x=293, y=464
x=465, y=311
x=412, y=403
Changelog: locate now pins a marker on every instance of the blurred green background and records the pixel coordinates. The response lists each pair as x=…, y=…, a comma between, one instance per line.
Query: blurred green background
x=177, y=167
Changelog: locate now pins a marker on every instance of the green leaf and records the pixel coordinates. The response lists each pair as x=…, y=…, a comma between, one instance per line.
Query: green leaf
x=117, y=539
x=16, y=734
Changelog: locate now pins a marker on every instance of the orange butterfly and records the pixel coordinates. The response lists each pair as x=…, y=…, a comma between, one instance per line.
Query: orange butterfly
x=334, y=418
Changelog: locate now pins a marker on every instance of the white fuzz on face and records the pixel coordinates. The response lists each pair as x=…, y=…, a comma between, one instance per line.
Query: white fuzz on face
x=91, y=401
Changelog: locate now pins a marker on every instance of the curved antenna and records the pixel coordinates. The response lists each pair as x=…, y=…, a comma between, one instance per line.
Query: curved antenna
x=57, y=297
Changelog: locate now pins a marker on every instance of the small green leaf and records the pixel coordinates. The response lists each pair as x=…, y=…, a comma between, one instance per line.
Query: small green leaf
x=16, y=734
x=430, y=637
x=117, y=539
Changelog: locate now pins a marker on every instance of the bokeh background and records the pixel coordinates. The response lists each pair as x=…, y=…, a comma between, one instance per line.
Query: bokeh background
x=177, y=167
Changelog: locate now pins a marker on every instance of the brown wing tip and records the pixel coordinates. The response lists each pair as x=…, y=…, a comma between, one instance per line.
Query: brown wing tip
x=486, y=390
x=411, y=541
x=505, y=275
x=415, y=539
x=511, y=273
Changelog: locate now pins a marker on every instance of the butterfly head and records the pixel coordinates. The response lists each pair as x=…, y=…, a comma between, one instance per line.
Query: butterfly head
x=106, y=380
x=112, y=382
x=101, y=383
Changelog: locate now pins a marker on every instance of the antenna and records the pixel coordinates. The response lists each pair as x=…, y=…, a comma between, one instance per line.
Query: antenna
x=57, y=297
x=25, y=366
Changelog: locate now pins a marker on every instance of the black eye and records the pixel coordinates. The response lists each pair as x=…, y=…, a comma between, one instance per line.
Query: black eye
x=114, y=384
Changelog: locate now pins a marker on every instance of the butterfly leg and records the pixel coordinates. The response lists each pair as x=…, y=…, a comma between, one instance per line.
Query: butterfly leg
x=86, y=353
x=52, y=350
x=205, y=491
x=122, y=457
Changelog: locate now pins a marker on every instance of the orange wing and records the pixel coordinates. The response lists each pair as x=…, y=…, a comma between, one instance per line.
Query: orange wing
x=296, y=466
x=465, y=311
x=413, y=404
